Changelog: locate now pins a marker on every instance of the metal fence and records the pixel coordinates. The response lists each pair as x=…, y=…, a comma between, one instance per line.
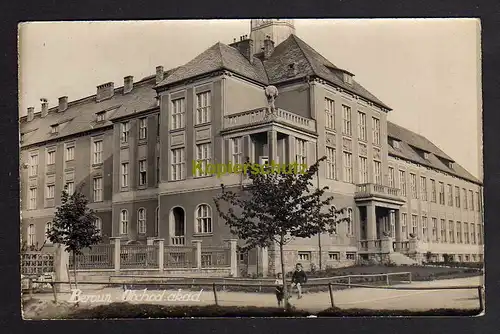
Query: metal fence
x=179, y=257
x=215, y=256
x=96, y=257
x=139, y=256
x=36, y=263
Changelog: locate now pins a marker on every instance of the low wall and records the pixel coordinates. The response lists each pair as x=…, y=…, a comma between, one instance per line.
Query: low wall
x=97, y=275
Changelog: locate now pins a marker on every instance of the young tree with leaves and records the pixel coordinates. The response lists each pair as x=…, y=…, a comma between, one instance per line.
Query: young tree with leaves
x=278, y=207
x=74, y=225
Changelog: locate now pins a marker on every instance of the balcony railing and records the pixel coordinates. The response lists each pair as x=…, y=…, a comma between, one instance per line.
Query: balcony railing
x=262, y=115
x=178, y=241
x=371, y=189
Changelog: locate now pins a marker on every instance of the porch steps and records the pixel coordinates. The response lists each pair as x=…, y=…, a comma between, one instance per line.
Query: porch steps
x=400, y=259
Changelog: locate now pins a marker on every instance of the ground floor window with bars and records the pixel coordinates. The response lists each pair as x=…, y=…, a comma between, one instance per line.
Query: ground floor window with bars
x=350, y=256
x=304, y=256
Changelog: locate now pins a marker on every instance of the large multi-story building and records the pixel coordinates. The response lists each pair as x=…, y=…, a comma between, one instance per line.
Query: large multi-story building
x=131, y=150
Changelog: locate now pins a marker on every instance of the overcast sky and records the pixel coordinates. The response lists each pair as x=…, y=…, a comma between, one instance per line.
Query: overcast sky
x=426, y=70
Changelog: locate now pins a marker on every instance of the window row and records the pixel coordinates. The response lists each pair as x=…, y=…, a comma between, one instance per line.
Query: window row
x=31, y=233
x=331, y=167
x=347, y=122
x=202, y=115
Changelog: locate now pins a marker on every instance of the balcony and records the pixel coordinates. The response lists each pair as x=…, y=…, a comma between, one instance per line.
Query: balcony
x=178, y=241
x=262, y=116
x=367, y=191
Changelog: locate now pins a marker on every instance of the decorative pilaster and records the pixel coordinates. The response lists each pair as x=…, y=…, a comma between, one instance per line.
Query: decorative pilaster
x=161, y=253
x=116, y=242
x=197, y=245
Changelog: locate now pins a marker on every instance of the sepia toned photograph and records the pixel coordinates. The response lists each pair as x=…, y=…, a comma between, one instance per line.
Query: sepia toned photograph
x=251, y=168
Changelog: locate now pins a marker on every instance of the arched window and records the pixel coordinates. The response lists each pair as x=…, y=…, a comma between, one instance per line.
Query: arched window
x=349, y=222
x=31, y=235
x=157, y=222
x=203, y=219
x=124, y=222
x=48, y=226
x=141, y=221
x=98, y=224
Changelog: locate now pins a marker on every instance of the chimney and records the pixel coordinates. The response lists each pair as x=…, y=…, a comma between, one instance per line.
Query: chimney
x=45, y=107
x=105, y=91
x=245, y=46
x=292, y=70
x=128, y=84
x=159, y=74
x=63, y=103
x=268, y=47
x=31, y=113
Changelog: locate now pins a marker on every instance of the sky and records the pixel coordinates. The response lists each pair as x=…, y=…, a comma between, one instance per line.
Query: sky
x=427, y=71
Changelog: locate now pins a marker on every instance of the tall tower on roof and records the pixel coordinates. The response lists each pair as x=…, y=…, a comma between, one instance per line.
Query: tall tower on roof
x=278, y=30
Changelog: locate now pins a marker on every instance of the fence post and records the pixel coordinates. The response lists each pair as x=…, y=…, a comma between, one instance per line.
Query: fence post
x=116, y=241
x=387, y=279
x=197, y=257
x=233, y=262
x=215, y=294
x=348, y=282
x=409, y=276
x=331, y=294
x=480, y=292
x=161, y=253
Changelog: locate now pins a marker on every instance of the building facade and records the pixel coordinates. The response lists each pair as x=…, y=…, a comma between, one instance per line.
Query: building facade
x=131, y=151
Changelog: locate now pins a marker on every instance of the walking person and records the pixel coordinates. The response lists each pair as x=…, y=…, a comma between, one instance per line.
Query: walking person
x=298, y=279
x=279, y=289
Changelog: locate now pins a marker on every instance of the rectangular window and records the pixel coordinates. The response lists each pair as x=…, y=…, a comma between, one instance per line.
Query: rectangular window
x=471, y=200
x=31, y=235
x=32, y=198
x=70, y=153
x=472, y=233
x=51, y=157
x=457, y=196
x=425, y=237
x=450, y=195
x=124, y=173
x=361, y=126
x=443, y=230
x=143, y=128
x=331, y=163
x=347, y=167
x=178, y=164
x=434, y=229
x=125, y=129
x=70, y=187
x=100, y=116
x=377, y=169
x=451, y=231
x=391, y=177
x=97, y=152
x=157, y=169
x=143, y=172
x=479, y=234
x=423, y=188
x=98, y=189
x=459, y=232
x=478, y=201
x=346, y=113
x=465, y=198
x=363, y=170
x=301, y=151
x=329, y=114
x=404, y=224
x=376, y=131
x=414, y=225
x=33, y=169
x=304, y=256
x=350, y=256
x=441, y=193
x=433, y=191
x=177, y=115
x=333, y=256
x=202, y=108
x=51, y=189
x=466, y=233
x=236, y=150
x=203, y=155
x=413, y=185
x=402, y=182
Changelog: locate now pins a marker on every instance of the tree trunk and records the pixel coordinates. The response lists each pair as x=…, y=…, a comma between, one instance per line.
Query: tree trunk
x=74, y=269
x=319, y=251
x=285, y=289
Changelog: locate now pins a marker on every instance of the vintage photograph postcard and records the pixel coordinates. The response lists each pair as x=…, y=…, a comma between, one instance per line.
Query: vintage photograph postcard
x=251, y=168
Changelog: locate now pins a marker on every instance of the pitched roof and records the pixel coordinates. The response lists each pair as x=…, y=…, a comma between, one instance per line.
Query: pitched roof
x=81, y=115
x=410, y=141
x=309, y=62
x=217, y=57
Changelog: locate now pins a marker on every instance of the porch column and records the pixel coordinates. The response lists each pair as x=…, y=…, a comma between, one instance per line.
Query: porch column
x=291, y=149
x=272, y=144
x=371, y=222
x=397, y=224
x=247, y=149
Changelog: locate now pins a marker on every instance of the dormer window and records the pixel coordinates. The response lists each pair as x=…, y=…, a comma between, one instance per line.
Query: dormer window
x=54, y=128
x=101, y=116
x=348, y=78
x=394, y=143
x=450, y=164
x=426, y=155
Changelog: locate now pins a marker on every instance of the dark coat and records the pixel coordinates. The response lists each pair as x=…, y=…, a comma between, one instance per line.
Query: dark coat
x=299, y=277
